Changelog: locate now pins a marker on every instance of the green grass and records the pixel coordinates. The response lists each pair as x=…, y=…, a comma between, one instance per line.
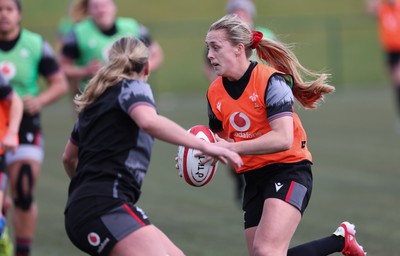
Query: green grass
x=354, y=145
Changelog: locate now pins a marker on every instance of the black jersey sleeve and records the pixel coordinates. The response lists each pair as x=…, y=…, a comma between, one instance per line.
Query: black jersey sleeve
x=5, y=88
x=74, y=138
x=144, y=35
x=213, y=122
x=70, y=47
x=48, y=64
x=279, y=98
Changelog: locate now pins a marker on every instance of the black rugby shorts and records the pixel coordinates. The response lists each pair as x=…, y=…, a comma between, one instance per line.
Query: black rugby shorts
x=98, y=235
x=291, y=183
x=393, y=59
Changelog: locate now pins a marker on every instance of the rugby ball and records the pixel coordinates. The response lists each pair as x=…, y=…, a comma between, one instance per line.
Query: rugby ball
x=190, y=167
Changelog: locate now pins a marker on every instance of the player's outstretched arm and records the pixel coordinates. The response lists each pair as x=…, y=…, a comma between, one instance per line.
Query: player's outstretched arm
x=166, y=130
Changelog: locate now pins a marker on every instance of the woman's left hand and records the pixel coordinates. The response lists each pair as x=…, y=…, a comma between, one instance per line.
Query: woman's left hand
x=222, y=142
x=32, y=105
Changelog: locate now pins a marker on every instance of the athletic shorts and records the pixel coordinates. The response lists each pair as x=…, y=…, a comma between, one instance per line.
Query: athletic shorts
x=2, y=163
x=291, y=183
x=95, y=225
x=3, y=174
x=31, y=143
x=393, y=59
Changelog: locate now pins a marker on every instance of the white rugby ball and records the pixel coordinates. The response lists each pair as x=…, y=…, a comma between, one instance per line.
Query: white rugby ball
x=192, y=170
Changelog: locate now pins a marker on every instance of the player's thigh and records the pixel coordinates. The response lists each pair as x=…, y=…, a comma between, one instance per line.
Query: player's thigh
x=25, y=154
x=148, y=240
x=278, y=223
x=172, y=249
x=250, y=233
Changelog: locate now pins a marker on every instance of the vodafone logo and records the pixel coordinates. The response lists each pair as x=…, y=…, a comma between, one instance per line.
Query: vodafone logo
x=239, y=121
x=94, y=239
x=7, y=69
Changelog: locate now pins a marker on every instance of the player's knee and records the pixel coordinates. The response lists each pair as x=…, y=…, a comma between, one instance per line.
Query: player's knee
x=23, y=198
x=267, y=249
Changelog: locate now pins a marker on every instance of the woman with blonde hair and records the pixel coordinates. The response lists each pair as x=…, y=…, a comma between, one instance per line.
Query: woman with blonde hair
x=251, y=110
x=246, y=10
x=76, y=13
x=108, y=154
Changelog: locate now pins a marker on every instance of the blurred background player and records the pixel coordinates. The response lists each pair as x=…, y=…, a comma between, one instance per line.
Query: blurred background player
x=84, y=49
x=246, y=10
x=74, y=15
x=11, y=110
x=388, y=16
x=24, y=56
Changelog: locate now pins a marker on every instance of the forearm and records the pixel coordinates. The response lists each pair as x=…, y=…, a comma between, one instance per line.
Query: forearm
x=76, y=72
x=16, y=112
x=70, y=167
x=70, y=158
x=166, y=130
x=269, y=143
x=73, y=71
x=278, y=139
x=57, y=88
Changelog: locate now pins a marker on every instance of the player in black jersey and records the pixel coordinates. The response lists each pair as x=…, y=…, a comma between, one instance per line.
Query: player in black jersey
x=108, y=154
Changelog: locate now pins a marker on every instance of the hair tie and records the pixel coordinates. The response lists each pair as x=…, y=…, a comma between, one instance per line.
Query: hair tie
x=257, y=36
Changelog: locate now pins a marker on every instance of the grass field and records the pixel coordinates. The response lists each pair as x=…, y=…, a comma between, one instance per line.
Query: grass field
x=355, y=148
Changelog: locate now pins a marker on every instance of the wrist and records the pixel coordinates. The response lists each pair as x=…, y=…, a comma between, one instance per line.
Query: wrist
x=11, y=133
x=40, y=102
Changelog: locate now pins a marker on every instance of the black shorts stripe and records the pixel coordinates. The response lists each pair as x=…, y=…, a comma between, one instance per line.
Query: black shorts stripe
x=295, y=195
x=136, y=217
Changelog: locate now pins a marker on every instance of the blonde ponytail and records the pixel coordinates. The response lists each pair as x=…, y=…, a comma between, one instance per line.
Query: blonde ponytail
x=127, y=58
x=308, y=88
x=280, y=57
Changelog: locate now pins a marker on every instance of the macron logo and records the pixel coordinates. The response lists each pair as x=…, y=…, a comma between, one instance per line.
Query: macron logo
x=278, y=186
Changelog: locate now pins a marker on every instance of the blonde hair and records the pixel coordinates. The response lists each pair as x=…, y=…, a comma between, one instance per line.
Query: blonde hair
x=280, y=57
x=79, y=10
x=128, y=57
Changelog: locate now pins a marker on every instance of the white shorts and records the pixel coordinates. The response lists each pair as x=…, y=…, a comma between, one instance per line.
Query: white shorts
x=25, y=151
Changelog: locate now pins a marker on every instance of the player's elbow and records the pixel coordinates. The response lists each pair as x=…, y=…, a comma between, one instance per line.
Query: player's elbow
x=285, y=142
x=59, y=82
x=63, y=87
x=69, y=164
x=67, y=159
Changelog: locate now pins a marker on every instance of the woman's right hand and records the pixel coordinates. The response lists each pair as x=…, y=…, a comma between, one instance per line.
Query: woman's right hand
x=10, y=142
x=217, y=153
